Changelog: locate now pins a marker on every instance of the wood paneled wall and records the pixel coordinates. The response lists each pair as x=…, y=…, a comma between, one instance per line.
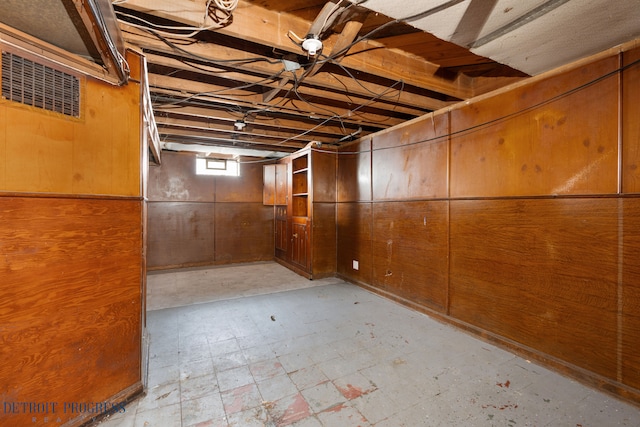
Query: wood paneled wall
x=72, y=256
x=514, y=216
x=70, y=312
x=206, y=220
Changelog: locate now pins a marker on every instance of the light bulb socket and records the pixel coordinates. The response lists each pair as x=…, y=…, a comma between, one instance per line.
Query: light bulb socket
x=312, y=45
x=239, y=125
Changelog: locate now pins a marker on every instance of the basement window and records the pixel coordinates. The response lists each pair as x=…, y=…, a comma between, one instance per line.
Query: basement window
x=218, y=167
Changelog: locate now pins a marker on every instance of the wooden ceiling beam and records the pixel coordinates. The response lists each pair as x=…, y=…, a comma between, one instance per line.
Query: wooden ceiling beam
x=322, y=80
x=267, y=27
x=192, y=88
x=188, y=136
x=261, y=122
x=388, y=102
x=271, y=136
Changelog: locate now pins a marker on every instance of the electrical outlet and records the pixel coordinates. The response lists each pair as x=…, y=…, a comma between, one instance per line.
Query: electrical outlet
x=356, y=265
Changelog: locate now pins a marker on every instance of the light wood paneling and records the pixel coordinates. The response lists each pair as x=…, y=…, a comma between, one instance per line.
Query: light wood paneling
x=566, y=146
x=542, y=273
x=410, y=161
x=354, y=172
x=40, y=146
x=631, y=123
x=410, y=251
x=71, y=306
x=98, y=153
x=354, y=241
x=3, y=147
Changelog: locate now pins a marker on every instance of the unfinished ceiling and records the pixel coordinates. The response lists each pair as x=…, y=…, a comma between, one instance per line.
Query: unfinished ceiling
x=243, y=76
x=248, y=82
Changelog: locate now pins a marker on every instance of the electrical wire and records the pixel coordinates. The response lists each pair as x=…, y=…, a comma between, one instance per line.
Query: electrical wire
x=504, y=117
x=212, y=6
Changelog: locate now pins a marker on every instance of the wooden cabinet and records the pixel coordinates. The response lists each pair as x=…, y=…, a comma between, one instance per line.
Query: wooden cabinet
x=275, y=184
x=302, y=189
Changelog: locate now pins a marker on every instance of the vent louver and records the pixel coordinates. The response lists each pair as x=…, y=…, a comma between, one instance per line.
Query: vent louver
x=40, y=86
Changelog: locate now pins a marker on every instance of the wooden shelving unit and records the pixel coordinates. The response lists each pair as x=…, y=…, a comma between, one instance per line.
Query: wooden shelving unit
x=305, y=227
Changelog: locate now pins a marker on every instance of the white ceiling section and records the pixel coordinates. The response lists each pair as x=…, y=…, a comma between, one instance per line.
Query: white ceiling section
x=532, y=36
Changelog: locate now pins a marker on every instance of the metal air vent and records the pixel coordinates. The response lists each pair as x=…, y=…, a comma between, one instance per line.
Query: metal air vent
x=40, y=86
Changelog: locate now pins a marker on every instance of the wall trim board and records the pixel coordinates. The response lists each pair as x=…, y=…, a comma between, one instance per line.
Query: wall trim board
x=71, y=196
x=588, y=378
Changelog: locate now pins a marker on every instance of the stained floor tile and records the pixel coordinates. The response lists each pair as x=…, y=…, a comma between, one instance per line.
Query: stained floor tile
x=257, y=345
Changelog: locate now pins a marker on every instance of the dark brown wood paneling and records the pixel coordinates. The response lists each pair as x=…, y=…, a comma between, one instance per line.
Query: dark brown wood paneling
x=300, y=243
x=323, y=172
x=324, y=239
x=269, y=185
x=281, y=184
x=410, y=251
x=71, y=301
x=354, y=241
x=192, y=218
x=411, y=161
x=542, y=273
x=567, y=146
x=244, y=232
x=180, y=234
x=630, y=289
x=354, y=172
x=631, y=123
x=176, y=180
x=244, y=188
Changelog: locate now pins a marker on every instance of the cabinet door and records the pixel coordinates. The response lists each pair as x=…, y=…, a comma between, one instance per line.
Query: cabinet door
x=300, y=244
x=281, y=184
x=269, y=185
x=281, y=230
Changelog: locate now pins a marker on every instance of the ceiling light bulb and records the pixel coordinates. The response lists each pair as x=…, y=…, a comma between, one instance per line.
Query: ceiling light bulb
x=312, y=44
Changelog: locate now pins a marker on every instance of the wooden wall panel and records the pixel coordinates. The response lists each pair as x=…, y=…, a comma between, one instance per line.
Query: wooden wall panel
x=244, y=232
x=245, y=188
x=176, y=180
x=630, y=357
x=631, y=123
x=410, y=251
x=354, y=241
x=324, y=250
x=324, y=165
x=71, y=301
x=567, y=146
x=406, y=168
x=40, y=146
x=3, y=147
x=180, y=233
x=542, y=273
x=206, y=220
x=98, y=153
x=354, y=172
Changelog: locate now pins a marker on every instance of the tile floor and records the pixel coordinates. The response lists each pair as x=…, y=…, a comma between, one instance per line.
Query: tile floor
x=327, y=353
